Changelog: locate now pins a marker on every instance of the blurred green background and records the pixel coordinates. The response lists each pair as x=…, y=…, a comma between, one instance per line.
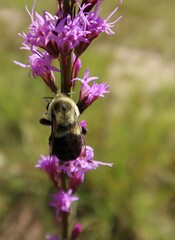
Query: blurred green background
x=133, y=127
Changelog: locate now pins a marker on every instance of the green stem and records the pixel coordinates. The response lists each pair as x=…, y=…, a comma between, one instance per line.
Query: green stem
x=66, y=59
x=65, y=73
x=64, y=214
x=65, y=65
x=66, y=7
x=64, y=226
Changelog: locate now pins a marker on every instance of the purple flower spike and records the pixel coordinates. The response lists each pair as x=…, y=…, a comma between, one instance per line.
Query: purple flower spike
x=58, y=41
x=89, y=94
x=62, y=201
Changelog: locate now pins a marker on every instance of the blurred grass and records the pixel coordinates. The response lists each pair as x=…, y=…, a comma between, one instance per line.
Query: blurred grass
x=135, y=125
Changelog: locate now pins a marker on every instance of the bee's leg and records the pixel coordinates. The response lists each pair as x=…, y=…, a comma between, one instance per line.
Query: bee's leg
x=45, y=121
x=84, y=131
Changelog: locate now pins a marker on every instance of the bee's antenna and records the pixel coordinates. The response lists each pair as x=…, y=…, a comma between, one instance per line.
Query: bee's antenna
x=47, y=99
x=71, y=93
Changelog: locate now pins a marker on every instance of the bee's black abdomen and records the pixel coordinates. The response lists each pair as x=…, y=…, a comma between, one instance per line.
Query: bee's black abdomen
x=68, y=147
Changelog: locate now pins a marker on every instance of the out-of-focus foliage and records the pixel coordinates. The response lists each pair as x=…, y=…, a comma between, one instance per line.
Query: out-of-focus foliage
x=134, y=127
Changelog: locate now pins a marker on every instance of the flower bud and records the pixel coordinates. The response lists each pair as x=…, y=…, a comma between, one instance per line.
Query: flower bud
x=77, y=229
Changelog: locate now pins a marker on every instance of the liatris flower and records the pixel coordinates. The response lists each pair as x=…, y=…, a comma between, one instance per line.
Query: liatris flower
x=48, y=164
x=39, y=29
x=94, y=25
x=89, y=94
x=73, y=169
x=56, y=34
x=81, y=165
x=68, y=34
x=77, y=229
x=40, y=64
x=62, y=38
x=61, y=201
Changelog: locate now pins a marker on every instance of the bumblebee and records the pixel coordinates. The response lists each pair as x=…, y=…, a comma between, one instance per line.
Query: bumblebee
x=67, y=136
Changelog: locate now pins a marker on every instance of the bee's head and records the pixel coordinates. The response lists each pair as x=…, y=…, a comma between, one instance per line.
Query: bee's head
x=63, y=110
